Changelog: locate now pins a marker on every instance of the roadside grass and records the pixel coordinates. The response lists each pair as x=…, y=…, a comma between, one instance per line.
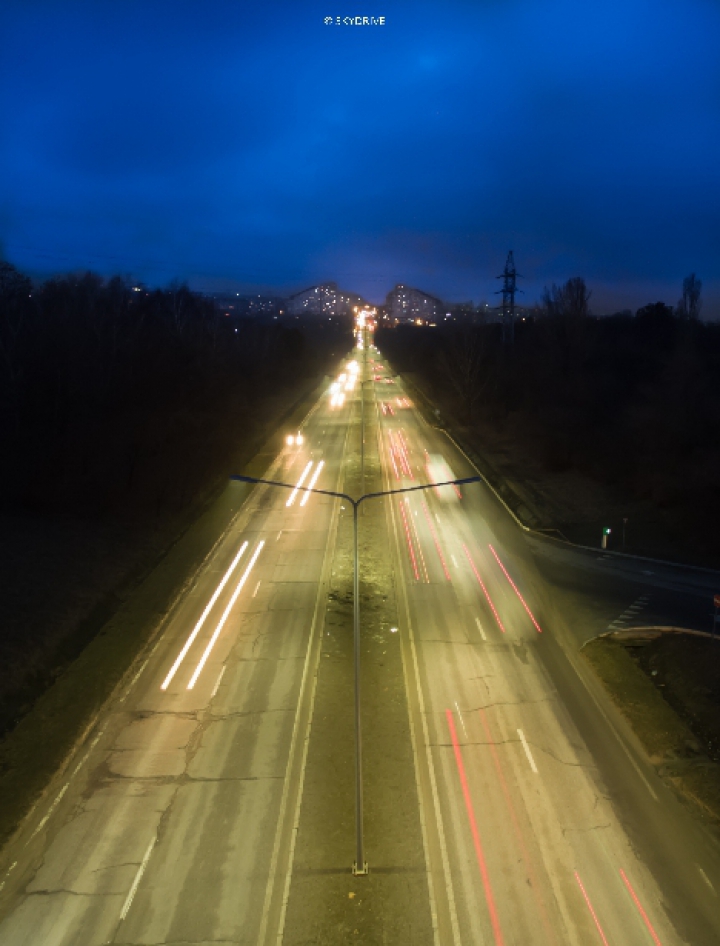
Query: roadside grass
x=43, y=741
x=669, y=742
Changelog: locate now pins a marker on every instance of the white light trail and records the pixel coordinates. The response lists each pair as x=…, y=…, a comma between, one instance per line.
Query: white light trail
x=299, y=484
x=226, y=614
x=203, y=616
x=312, y=482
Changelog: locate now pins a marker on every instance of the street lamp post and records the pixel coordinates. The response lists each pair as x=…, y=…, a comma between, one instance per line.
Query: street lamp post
x=360, y=866
x=362, y=431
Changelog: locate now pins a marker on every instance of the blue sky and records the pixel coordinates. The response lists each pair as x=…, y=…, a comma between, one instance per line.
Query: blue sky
x=247, y=146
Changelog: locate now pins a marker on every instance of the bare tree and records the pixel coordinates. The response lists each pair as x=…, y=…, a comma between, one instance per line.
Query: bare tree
x=463, y=363
x=689, y=306
x=569, y=301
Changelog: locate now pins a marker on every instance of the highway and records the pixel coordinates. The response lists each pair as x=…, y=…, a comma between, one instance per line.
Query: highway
x=542, y=822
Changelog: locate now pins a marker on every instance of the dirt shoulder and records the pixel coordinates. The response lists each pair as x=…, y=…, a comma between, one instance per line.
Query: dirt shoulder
x=674, y=713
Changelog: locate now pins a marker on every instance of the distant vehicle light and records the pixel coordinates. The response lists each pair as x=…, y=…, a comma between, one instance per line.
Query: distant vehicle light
x=299, y=439
x=289, y=440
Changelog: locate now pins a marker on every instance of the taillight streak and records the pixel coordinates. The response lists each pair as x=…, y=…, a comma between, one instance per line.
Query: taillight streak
x=592, y=911
x=490, y=900
x=643, y=914
x=409, y=541
x=485, y=591
x=515, y=589
x=203, y=616
x=417, y=541
x=435, y=539
x=226, y=614
x=405, y=455
x=392, y=457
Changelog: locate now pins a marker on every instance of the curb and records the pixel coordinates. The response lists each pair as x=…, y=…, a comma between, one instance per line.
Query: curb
x=647, y=633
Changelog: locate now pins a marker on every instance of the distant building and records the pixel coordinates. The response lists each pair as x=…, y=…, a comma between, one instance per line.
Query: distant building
x=325, y=299
x=403, y=303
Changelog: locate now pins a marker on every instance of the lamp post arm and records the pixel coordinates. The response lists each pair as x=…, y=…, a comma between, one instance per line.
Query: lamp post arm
x=413, y=489
x=356, y=502
x=304, y=489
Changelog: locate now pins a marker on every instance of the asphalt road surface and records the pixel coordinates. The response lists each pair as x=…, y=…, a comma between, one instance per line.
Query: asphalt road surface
x=542, y=822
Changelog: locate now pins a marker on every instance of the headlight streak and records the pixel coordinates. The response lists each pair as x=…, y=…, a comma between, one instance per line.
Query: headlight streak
x=226, y=614
x=643, y=914
x=489, y=898
x=417, y=542
x=203, y=616
x=530, y=614
x=299, y=483
x=409, y=540
x=435, y=539
x=485, y=591
x=312, y=482
x=592, y=911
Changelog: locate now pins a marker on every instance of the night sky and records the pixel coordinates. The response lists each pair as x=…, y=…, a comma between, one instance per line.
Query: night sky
x=247, y=145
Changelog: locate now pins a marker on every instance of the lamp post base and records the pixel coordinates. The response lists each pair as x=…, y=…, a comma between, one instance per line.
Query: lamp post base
x=360, y=873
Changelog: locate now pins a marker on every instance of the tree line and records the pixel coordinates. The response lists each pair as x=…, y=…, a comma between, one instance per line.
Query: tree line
x=115, y=399
x=630, y=400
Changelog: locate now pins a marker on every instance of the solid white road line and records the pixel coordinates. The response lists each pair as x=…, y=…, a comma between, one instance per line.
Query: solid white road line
x=50, y=810
x=84, y=758
x=203, y=616
x=313, y=481
x=618, y=737
x=225, y=616
x=299, y=483
x=136, y=882
x=480, y=628
x=14, y=865
x=706, y=879
x=134, y=681
x=526, y=747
